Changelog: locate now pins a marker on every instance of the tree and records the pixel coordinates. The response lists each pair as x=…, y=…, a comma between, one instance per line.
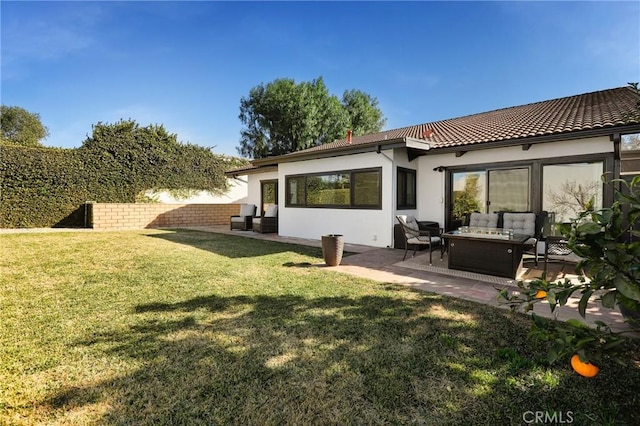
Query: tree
x=603, y=239
x=466, y=201
x=284, y=116
x=21, y=127
x=573, y=197
x=364, y=114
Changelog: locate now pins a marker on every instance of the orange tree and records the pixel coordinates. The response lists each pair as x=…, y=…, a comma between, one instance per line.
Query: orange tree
x=609, y=272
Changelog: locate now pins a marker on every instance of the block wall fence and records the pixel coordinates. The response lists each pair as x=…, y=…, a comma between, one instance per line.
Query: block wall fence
x=120, y=216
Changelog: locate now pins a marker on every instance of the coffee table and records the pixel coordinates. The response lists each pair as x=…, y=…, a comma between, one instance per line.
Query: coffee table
x=488, y=255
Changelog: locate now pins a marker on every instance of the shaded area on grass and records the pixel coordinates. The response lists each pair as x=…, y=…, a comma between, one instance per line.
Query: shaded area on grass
x=401, y=358
x=233, y=246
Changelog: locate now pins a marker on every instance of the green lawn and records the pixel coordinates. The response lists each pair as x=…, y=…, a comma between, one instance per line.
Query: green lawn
x=164, y=327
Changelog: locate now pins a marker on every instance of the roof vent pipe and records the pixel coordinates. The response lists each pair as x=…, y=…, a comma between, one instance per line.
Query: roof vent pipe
x=349, y=136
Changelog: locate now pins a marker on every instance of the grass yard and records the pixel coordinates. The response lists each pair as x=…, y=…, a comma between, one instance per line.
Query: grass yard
x=183, y=327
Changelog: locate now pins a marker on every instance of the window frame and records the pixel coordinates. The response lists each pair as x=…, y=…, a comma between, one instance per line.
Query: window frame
x=536, y=165
x=401, y=196
x=352, y=188
x=263, y=183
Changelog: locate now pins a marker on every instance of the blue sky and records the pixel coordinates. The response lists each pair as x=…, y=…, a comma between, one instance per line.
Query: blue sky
x=187, y=64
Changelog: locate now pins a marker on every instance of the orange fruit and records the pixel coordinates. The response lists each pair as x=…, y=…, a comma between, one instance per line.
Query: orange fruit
x=541, y=294
x=585, y=369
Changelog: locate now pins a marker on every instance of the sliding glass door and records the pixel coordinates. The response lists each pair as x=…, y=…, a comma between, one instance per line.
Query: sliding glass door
x=490, y=190
x=469, y=194
x=559, y=187
x=508, y=190
x=568, y=189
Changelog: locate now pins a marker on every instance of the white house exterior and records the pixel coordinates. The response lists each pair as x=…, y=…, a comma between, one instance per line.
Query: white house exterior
x=518, y=159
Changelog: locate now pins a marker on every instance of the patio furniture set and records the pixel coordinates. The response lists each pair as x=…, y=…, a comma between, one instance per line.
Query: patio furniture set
x=247, y=219
x=489, y=243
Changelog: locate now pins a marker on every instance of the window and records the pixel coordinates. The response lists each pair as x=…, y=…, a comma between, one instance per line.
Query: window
x=631, y=142
x=568, y=188
x=491, y=190
x=268, y=194
x=469, y=189
x=560, y=187
x=329, y=190
x=406, y=189
x=366, y=189
x=508, y=190
x=344, y=189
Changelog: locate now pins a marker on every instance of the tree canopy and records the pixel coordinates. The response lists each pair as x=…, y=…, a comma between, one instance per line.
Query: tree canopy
x=284, y=116
x=21, y=127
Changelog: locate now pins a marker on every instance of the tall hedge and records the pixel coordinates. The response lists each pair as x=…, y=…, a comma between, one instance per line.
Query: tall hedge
x=47, y=187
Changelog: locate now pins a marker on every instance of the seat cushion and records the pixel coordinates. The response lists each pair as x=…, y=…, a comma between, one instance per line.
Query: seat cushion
x=423, y=240
x=412, y=229
x=247, y=209
x=272, y=211
x=483, y=220
x=521, y=223
x=237, y=219
x=256, y=221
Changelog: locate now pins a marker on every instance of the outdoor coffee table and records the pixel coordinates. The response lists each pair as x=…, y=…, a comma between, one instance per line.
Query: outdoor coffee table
x=491, y=254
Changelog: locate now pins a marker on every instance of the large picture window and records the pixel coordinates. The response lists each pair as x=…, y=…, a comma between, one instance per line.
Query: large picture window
x=567, y=189
x=343, y=189
x=406, y=189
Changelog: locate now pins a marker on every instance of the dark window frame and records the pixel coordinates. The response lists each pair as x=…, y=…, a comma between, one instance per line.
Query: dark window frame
x=352, y=188
x=262, y=184
x=401, y=194
x=536, y=165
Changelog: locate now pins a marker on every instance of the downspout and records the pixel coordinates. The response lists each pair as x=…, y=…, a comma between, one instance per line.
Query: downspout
x=394, y=188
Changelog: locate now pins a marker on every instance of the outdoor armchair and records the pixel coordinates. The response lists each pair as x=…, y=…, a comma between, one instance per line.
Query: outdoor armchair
x=416, y=237
x=268, y=222
x=244, y=220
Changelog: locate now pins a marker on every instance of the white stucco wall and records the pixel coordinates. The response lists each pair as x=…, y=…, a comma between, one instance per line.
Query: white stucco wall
x=237, y=193
x=375, y=227
x=359, y=226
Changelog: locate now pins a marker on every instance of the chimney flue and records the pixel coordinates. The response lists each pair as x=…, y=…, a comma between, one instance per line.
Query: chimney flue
x=349, y=136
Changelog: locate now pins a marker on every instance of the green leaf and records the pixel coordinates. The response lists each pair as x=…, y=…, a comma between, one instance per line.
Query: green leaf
x=577, y=323
x=584, y=301
x=589, y=228
x=626, y=288
x=609, y=299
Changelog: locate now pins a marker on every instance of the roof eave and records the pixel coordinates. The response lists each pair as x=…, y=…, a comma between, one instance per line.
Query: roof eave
x=374, y=146
x=251, y=171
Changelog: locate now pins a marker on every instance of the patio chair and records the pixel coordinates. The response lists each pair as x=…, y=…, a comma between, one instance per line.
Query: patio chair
x=244, y=220
x=416, y=237
x=523, y=224
x=556, y=248
x=268, y=222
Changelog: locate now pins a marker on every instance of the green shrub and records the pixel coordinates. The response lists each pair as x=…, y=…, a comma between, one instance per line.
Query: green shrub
x=45, y=187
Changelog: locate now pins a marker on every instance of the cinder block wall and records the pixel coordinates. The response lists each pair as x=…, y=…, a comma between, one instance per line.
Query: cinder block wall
x=118, y=216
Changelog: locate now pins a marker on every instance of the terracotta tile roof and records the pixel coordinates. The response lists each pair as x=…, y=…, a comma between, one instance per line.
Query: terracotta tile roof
x=588, y=111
